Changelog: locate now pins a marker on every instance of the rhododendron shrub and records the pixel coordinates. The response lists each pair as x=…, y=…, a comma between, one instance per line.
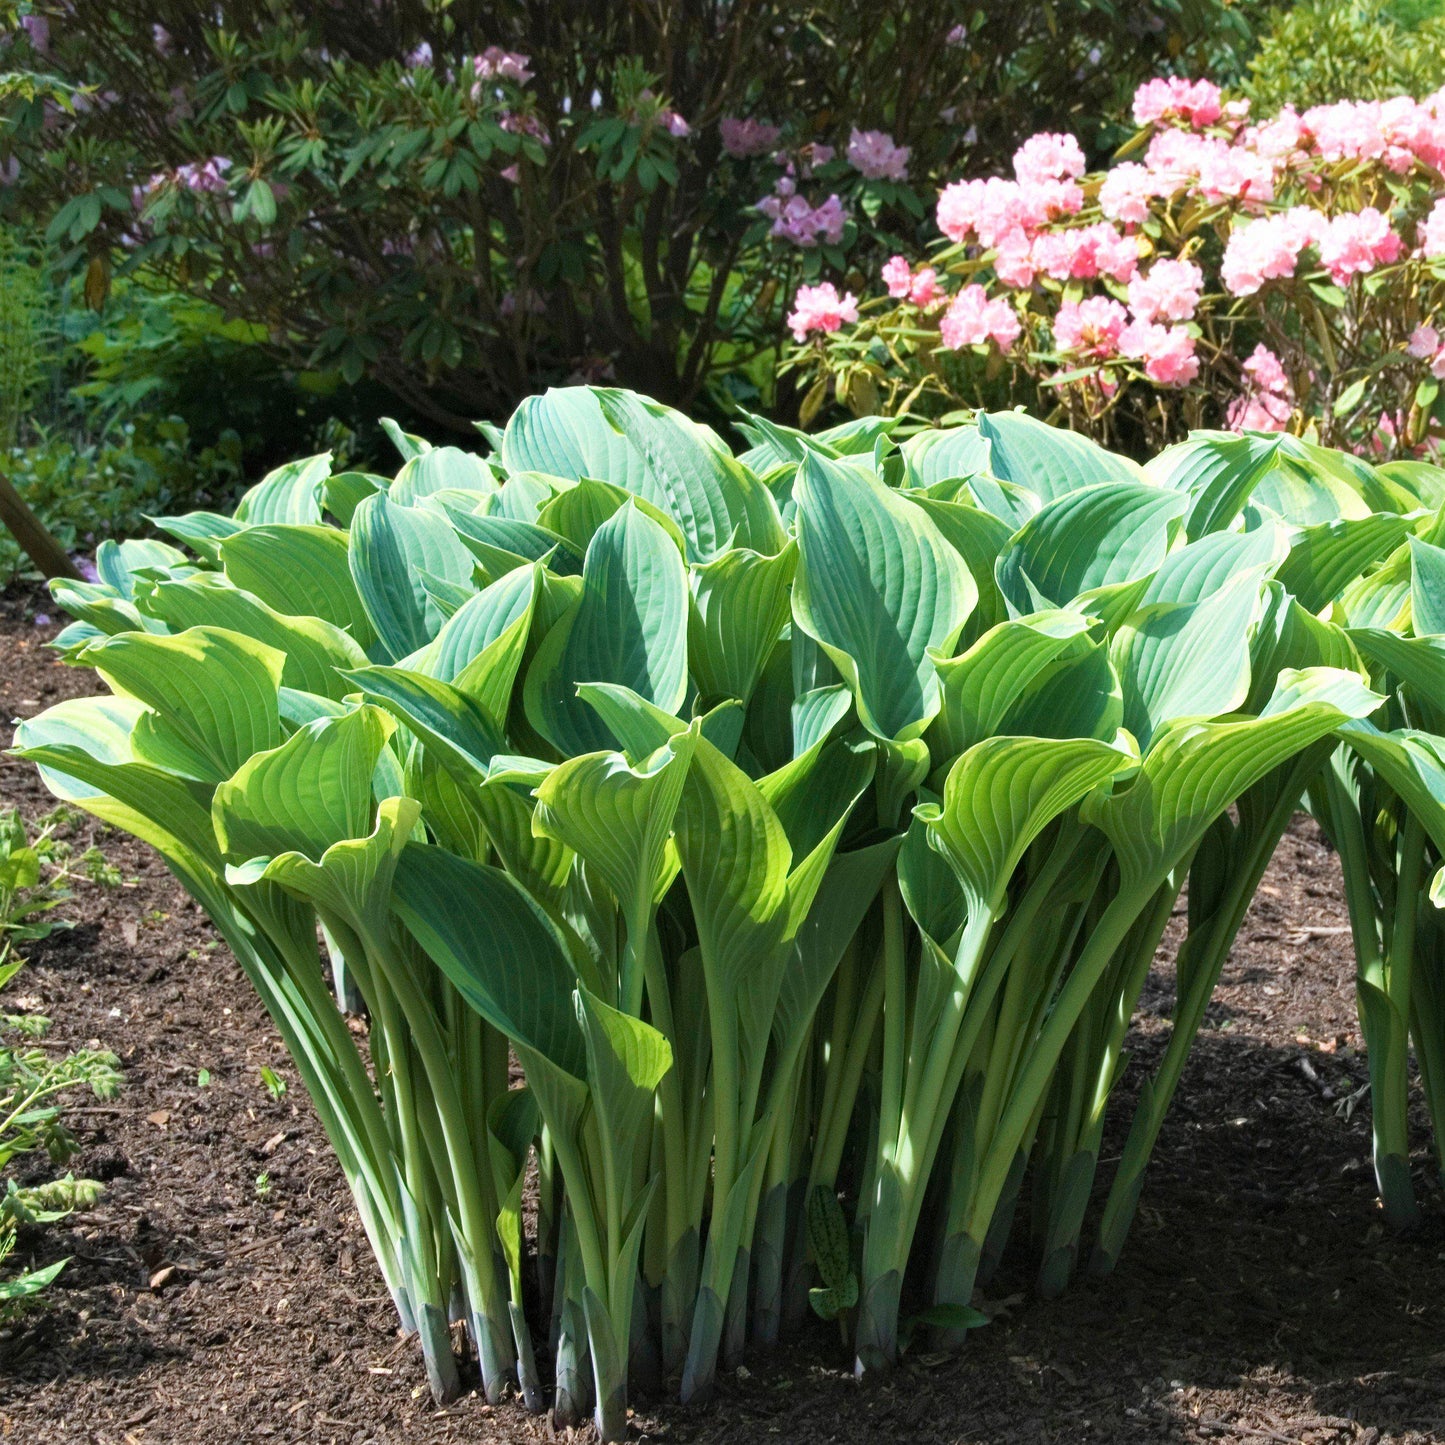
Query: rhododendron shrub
x=1284, y=273
x=466, y=201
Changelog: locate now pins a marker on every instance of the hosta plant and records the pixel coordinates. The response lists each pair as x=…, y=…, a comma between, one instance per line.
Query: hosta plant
x=801, y=819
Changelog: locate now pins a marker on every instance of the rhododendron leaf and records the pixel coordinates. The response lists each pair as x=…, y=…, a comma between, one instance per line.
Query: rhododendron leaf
x=302, y=571
x=390, y=544
x=629, y=626
x=878, y=587
x=1087, y=538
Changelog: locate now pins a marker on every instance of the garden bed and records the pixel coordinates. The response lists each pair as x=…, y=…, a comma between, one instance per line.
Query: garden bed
x=224, y=1289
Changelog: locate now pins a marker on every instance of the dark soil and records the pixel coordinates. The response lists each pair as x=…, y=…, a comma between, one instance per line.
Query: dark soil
x=223, y=1290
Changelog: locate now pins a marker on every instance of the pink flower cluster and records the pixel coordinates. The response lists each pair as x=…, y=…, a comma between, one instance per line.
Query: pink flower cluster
x=921, y=289
x=1082, y=252
x=204, y=176
x=1432, y=232
x=795, y=219
x=873, y=154
x=742, y=138
x=821, y=309
x=1425, y=345
x=1168, y=292
x=972, y=319
x=1196, y=102
x=494, y=63
x=1268, y=397
x=1269, y=248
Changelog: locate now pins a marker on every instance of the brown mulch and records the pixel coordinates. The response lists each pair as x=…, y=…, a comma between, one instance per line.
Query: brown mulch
x=223, y=1291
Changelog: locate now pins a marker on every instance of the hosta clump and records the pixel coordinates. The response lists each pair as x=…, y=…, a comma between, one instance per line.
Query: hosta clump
x=802, y=820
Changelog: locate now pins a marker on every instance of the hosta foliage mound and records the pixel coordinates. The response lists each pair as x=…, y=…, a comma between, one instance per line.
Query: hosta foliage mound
x=803, y=821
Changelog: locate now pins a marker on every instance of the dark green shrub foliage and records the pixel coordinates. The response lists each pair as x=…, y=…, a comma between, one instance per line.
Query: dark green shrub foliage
x=466, y=200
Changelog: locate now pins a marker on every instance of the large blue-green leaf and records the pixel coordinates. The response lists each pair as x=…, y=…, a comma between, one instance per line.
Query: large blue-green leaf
x=292, y=493
x=878, y=588
x=1048, y=460
x=302, y=571
x=1088, y=538
x=390, y=547
x=629, y=626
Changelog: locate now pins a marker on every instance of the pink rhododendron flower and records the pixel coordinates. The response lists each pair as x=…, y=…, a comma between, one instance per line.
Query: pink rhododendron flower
x=1174, y=98
x=673, y=123
x=1127, y=191
x=1013, y=262
x=1358, y=241
x=1268, y=249
x=1424, y=341
x=742, y=138
x=972, y=319
x=957, y=36
x=37, y=31
x=494, y=63
x=926, y=290
x=1169, y=292
x=873, y=154
x=1091, y=327
x=1424, y=345
x=1049, y=157
x=803, y=224
x=922, y=289
x=1166, y=351
x=897, y=275
x=1268, y=397
x=993, y=208
x=820, y=308
x=1432, y=231
x=204, y=176
x=1282, y=139
x=1097, y=250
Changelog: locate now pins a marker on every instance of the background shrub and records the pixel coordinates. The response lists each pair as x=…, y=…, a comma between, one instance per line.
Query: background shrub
x=467, y=201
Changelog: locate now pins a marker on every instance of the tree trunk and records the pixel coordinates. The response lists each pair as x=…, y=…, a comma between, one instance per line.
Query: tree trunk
x=28, y=530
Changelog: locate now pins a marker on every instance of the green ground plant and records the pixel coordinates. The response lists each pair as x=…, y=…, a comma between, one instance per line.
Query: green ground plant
x=34, y=1080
